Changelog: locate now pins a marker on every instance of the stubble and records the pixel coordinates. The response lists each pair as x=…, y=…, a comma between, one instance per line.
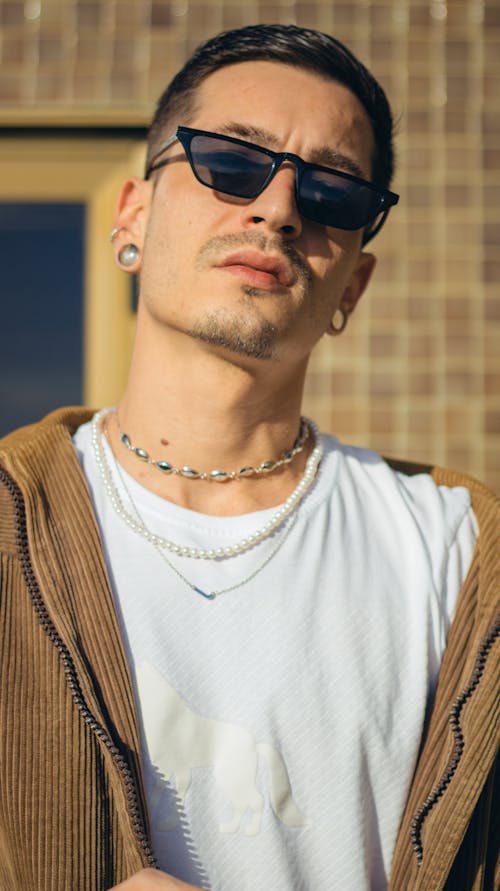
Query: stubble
x=245, y=331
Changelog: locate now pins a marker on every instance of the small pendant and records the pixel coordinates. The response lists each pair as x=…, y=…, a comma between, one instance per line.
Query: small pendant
x=204, y=594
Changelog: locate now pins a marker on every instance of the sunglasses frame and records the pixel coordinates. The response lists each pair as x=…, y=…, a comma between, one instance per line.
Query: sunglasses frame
x=185, y=135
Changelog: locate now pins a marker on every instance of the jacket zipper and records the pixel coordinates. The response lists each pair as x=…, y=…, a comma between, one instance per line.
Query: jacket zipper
x=120, y=761
x=458, y=742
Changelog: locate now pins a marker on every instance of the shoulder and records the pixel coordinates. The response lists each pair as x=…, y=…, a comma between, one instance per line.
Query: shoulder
x=35, y=461
x=369, y=470
x=424, y=508
x=59, y=425
x=484, y=502
x=395, y=489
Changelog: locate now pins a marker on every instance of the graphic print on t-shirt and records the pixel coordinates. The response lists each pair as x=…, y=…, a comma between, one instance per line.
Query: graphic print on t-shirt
x=332, y=660
x=180, y=740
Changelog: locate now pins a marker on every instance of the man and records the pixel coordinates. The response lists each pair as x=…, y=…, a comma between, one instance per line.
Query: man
x=222, y=632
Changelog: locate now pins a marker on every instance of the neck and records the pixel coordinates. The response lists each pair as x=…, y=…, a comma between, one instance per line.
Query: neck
x=189, y=404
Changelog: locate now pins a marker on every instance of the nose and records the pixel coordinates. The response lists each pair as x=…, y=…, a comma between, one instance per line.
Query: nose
x=275, y=208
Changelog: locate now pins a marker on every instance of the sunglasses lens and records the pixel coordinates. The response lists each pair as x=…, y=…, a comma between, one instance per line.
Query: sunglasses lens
x=244, y=171
x=228, y=167
x=334, y=201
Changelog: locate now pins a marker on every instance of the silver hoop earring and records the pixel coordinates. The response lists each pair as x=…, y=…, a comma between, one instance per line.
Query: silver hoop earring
x=114, y=232
x=337, y=329
x=128, y=255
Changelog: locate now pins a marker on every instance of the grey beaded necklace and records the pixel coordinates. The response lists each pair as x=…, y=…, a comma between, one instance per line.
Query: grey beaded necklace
x=138, y=526
x=219, y=476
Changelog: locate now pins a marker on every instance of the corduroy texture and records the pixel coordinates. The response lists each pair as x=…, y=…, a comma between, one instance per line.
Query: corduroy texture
x=462, y=739
x=417, y=371
x=71, y=800
x=67, y=712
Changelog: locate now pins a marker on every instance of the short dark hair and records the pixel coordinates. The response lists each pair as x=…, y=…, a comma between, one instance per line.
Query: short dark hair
x=290, y=45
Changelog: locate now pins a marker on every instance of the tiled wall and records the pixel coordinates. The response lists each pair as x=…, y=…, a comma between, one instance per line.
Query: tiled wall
x=417, y=372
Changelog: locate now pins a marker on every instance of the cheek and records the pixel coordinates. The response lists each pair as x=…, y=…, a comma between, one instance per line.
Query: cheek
x=329, y=265
x=333, y=272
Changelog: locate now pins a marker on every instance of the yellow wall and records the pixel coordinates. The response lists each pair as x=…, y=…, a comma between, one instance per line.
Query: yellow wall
x=417, y=372
x=90, y=171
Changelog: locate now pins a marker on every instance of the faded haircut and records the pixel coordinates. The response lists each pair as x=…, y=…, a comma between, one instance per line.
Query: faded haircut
x=290, y=45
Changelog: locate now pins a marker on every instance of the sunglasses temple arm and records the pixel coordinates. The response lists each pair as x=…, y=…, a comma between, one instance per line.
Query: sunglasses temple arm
x=371, y=233
x=152, y=165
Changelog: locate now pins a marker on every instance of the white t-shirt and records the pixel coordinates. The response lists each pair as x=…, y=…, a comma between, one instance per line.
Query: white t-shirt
x=281, y=722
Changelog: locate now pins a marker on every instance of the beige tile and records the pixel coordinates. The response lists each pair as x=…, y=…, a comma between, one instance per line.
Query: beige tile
x=418, y=368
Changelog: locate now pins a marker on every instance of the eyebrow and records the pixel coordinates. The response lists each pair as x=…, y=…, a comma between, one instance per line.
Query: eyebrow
x=325, y=156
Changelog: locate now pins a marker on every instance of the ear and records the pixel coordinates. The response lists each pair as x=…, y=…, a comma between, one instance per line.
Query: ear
x=131, y=217
x=361, y=276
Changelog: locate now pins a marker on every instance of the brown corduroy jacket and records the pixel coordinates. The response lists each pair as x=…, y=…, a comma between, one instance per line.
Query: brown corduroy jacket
x=72, y=811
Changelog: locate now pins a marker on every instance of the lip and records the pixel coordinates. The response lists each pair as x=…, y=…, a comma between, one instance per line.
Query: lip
x=262, y=267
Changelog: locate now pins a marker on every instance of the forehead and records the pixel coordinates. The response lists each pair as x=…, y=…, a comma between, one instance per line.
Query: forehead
x=305, y=112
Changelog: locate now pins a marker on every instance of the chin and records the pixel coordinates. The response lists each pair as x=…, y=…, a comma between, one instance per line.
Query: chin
x=252, y=342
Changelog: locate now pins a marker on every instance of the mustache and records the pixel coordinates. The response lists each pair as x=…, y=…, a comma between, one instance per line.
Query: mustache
x=219, y=244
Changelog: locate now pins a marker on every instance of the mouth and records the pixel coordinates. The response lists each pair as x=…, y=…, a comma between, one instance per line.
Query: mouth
x=258, y=269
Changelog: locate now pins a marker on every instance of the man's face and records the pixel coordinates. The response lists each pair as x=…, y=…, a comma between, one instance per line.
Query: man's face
x=206, y=255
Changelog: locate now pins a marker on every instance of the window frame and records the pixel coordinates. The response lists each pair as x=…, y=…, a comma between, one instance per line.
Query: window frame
x=88, y=166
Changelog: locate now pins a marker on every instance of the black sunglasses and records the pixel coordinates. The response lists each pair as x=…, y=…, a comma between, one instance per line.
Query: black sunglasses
x=239, y=168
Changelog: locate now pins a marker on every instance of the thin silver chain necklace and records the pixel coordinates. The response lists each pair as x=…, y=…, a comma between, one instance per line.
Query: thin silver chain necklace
x=137, y=525
x=213, y=593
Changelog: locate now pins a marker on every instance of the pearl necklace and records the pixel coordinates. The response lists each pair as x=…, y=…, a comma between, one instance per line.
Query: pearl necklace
x=215, y=592
x=138, y=526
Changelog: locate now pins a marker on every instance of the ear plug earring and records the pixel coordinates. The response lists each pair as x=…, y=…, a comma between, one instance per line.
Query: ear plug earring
x=128, y=255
